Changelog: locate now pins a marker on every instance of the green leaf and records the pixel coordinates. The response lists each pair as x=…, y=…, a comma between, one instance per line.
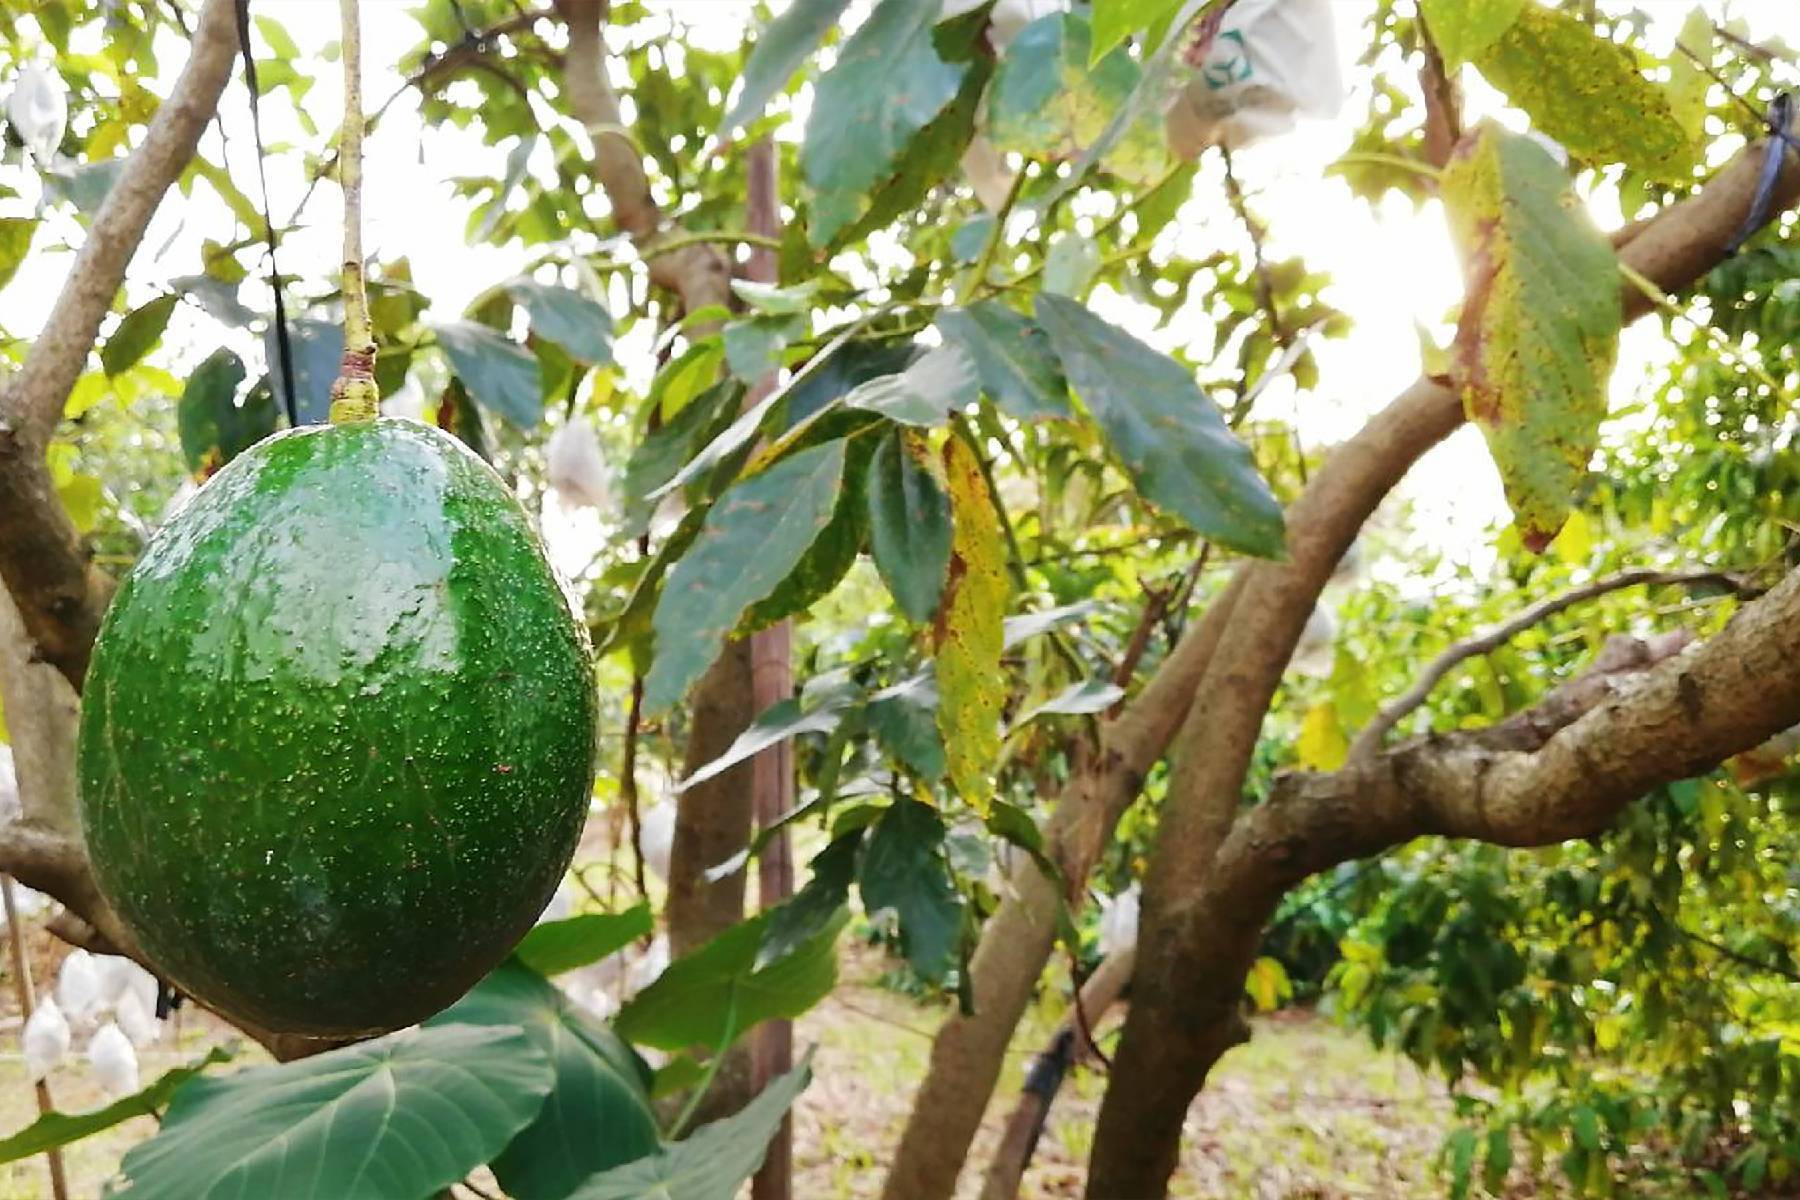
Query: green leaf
x=1540, y=321
x=832, y=553
x=970, y=630
x=777, y=723
x=1116, y=20
x=367, y=1121
x=754, y=536
x=141, y=329
x=82, y=497
x=941, y=382
x=213, y=429
x=1588, y=94
x=713, y=995
x=1688, y=84
x=567, y=317
x=15, y=243
x=887, y=84
x=55, y=1129
x=1464, y=29
x=855, y=363
x=499, y=373
x=1014, y=359
x=777, y=54
x=1047, y=102
x=754, y=344
x=318, y=352
x=902, y=870
x=909, y=523
x=658, y=458
x=712, y=1164
x=598, y=1113
x=85, y=186
x=815, y=907
x=1168, y=434
x=553, y=947
x=1086, y=696
x=904, y=721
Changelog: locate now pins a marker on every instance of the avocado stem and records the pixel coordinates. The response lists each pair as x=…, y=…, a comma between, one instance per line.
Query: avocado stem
x=355, y=396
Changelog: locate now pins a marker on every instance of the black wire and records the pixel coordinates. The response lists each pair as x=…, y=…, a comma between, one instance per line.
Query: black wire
x=284, y=349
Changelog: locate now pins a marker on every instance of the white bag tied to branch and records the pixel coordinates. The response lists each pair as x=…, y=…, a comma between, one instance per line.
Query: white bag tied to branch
x=983, y=166
x=1268, y=63
x=38, y=111
x=577, y=467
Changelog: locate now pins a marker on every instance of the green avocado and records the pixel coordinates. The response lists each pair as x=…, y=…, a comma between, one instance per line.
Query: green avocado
x=337, y=739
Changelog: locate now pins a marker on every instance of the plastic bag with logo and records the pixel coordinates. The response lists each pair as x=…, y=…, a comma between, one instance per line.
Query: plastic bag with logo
x=1252, y=71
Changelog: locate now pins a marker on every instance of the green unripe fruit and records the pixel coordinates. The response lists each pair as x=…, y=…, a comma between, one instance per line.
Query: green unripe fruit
x=337, y=740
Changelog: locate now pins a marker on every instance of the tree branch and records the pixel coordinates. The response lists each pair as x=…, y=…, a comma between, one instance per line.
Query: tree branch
x=1369, y=741
x=43, y=560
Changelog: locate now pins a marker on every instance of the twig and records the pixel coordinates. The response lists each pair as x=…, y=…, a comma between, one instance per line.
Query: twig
x=706, y=237
x=1718, y=337
x=59, y=1186
x=628, y=786
x=1368, y=742
x=354, y=396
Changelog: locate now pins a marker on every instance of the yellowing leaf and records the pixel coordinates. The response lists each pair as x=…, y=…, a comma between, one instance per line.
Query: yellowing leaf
x=1268, y=984
x=970, y=630
x=1462, y=29
x=1322, y=745
x=1608, y=1031
x=1688, y=84
x=1576, y=541
x=1540, y=321
x=82, y=496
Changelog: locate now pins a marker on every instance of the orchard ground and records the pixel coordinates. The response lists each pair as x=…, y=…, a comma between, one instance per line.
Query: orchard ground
x=1305, y=1111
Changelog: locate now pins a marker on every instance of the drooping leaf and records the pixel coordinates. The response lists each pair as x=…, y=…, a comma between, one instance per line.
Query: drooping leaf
x=904, y=721
x=902, y=870
x=55, y=1129
x=553, y=947
x=776, y=724
x=779, y=50
x=207, y=415
x=715, y=1161
x=499, y=374
x=15, y=244
x=925, y=393
x=367, y=1120
x=711, y=996
x=598, y=1112
x=832, y=553
x=318, y=350
x=968, y=632
x=752, y=539
x=1463, y=29
x=909, y=523
x=141, y=329
x=1014, y=359
x=813, y=908
x=572, y=320
x=888, y=83
x=1587, y=93
x=1165, y=430
x=1540, y=321
x=1047, y=102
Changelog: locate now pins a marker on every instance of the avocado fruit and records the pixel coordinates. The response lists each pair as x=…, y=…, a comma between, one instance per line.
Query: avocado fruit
x=337, y=738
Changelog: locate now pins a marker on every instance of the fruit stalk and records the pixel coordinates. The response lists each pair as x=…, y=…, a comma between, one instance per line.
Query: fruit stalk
x=354, y=397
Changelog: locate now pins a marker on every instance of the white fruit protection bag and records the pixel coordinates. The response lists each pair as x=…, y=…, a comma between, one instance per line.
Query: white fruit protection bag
x=1267, y=64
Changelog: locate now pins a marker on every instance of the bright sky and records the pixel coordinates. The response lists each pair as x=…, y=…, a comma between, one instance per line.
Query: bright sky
x=1393, y=268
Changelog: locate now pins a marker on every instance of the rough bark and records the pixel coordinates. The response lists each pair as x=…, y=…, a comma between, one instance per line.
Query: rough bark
x=43, y=560
x=1187, y=987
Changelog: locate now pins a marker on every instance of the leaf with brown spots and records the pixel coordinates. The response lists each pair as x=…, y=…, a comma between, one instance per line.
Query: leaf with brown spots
x=1540, y=322
x=1588, y=94
x=969, y=633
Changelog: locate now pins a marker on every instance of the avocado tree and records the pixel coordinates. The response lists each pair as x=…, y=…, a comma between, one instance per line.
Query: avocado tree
x=893, y=314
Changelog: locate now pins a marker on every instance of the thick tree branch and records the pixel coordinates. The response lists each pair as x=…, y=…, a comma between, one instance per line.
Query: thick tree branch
x=42, y=559
x=1369, y=741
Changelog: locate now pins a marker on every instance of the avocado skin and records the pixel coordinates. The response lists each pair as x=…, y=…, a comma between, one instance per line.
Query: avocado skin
x=337, y=739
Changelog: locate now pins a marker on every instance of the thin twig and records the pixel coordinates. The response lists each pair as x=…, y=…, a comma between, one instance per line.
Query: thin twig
x=1368, y=742
x=354, y=396
x=59, y=1187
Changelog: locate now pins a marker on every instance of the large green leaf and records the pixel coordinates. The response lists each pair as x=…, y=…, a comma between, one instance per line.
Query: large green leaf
x=397, y=1118
x=753, y=537
x=1047, y=102
x=141, y=329
x=1017, y=366
x=909, y=523
x=1540, y=321
x=553, y=947
x=712, y=1164
x=888, y=83
x=710, y=996
x=1165, y=430
x=968, y=634
x=815, y=907
x=1588, y=94
x=574, y=321
x=597, y=1115
x=926, y=392
x=498, y=372
x=214, y=427
x=55, y=1129
x=15, y=244
x=777, y=54
x=903, y=870
x=1463, y=29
